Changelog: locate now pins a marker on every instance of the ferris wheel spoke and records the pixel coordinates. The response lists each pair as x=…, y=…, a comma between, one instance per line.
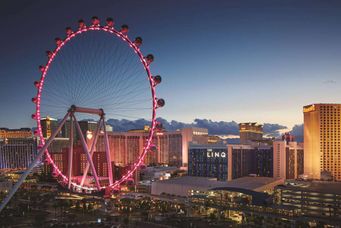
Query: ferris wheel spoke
x=128, y=81
x=110, y=93
x=125, y=80
x=127, y=104
x=110, y=96
x=88, y=76
x=122, y=115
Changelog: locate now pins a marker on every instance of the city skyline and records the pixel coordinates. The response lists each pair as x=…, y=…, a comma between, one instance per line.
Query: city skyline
x=170, y=113
x=290, y=49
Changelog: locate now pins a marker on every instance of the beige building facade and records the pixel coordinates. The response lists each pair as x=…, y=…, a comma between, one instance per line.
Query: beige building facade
x=322, y=149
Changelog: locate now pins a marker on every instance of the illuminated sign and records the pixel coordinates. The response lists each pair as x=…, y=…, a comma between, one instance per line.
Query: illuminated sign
x=309, y=108
x=211, y=154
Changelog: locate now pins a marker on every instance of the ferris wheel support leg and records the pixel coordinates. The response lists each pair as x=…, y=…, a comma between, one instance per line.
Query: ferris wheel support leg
x=92, y=149
x=70, y=153
x=33, y=163
x=107, y=151
x=85, y=148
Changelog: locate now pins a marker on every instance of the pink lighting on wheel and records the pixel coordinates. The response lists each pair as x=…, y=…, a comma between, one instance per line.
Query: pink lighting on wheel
x=138, y=41
x=149, y=59
x=110, y=22
x=41, y=68
x=153, y=80
x=68, y=31
x=36, y=133
x=157, y=79
x=58, y=41
x=49, y=54
x=81, y=24
x=124, y=29
x=34, y=100
x=36, y=84
x=95, y=21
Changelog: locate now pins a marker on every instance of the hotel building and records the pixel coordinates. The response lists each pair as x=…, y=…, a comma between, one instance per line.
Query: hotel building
x=6, y=133
x=250, y=132
x=288, y=159
x=125, y=147
x=208, y=161
x=170, y=148
x=192, y=135
x=17, y=148
x=322, y=149
x=228, y=162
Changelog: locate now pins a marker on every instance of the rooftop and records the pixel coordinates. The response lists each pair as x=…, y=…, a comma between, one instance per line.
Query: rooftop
x=159, y=169
x=249, y=183
x=18, y=129
x=222, y=145
x=219, y=145
x=314, y=186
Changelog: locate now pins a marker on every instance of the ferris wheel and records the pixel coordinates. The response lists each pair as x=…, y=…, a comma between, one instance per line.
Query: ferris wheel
x=96, y=72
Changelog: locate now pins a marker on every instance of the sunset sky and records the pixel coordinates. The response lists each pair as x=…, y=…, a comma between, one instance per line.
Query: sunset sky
x=240, y=60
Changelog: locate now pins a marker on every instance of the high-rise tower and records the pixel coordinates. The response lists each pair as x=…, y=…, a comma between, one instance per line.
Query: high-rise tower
x=322, y=138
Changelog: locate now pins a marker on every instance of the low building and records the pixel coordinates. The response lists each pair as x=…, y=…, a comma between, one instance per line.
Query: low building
x=158, y=173
x=311, y=198
x=185, y=186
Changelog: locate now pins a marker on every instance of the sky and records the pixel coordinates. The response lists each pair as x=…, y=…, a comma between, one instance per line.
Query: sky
x=240, y=61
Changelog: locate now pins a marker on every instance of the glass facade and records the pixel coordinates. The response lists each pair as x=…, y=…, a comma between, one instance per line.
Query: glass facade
x=208, y=162
x=264, y=162
x=213, y=161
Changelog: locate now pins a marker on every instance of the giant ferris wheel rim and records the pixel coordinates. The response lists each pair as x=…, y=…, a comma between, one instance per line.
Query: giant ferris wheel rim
x=40, y=85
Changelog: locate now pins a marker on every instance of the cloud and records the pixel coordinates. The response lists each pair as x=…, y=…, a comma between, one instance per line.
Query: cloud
x=218, y=127
x=125, y=125
x=214, y=127
x=297, y=131
x=330, y=81
x=272, y=130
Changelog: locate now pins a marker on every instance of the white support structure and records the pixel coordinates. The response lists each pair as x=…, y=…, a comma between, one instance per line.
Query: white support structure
x=99, y=112
x=92, y=150
x=107, y=151
x=85, y=148
x=70, y=161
